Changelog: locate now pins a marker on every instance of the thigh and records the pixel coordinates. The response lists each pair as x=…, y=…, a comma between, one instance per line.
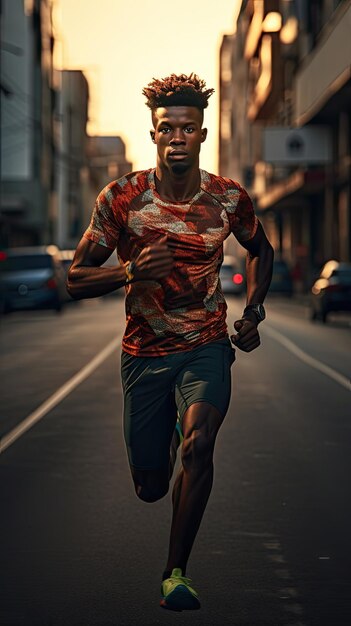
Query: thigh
x=149, y=411
x=206, y=377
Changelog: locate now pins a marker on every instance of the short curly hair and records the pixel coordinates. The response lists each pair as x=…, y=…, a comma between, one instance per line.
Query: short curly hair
x=177, y=90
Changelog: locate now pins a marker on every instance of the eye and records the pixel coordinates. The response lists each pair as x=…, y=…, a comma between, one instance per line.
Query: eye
x=164, y=130
x=189, y=129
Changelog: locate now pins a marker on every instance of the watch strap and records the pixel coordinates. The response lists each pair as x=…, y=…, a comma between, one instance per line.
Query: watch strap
x=257, y=309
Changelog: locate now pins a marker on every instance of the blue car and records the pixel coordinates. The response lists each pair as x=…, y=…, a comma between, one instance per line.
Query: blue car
x=32, y=278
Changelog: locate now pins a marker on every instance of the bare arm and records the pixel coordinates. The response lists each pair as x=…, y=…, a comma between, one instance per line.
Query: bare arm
x=87, y=279
x=259, y=265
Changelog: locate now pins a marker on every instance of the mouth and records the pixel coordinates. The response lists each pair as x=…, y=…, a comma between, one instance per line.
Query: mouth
x=177, y=155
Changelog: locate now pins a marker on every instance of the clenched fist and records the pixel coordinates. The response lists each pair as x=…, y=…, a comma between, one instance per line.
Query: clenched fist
x=154, y=262
x=247, y=337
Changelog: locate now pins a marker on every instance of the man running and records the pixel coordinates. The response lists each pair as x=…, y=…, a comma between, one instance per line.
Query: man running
x=168, y=225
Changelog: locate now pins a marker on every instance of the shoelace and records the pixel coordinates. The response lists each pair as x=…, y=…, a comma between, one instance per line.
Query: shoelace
x=183, y=579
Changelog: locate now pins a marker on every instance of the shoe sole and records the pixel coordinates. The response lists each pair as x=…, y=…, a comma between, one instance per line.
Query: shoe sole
x=180, y=600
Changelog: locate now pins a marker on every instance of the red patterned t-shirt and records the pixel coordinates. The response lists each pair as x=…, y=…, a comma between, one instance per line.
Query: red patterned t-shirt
x=187, y=308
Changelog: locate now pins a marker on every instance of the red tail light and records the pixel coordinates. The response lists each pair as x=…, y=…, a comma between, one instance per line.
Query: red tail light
x=51, y=283
x=238, y=279
x=3, y=255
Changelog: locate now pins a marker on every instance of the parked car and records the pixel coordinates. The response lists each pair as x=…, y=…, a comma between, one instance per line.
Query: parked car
x=231, y=277
x=281, y=278
x=32, y=278
x=331, y=291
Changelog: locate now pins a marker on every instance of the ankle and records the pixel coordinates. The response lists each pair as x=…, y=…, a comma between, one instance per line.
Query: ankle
x=168, y=572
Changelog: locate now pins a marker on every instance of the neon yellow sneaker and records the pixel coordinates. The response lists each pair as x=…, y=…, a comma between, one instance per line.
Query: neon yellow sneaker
x=177, y=595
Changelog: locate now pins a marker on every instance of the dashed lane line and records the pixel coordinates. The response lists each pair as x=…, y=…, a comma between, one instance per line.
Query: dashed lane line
x=57, y=397
x=309, y=360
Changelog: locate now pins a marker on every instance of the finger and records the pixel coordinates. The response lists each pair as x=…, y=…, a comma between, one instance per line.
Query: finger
x=251, y=348
x=245, y=349
x=240, y=343
x=248, y=337
x=162, y=247
x=252, y=342
x=161, y=260
x=161, y=257
x=247, y=334
x=248, y=327
x=244, y=325
x=161, y=250
x=235, y=338
x=157, y=266
x=155, y=247
x=248, y=347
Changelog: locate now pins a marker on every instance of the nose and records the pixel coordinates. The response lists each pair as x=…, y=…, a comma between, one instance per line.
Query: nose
x=177, y=138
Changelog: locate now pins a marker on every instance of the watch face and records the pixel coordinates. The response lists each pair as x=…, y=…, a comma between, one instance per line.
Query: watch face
x=260, y=311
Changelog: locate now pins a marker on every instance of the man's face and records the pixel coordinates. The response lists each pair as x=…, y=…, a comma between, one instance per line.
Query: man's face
x=178, y=136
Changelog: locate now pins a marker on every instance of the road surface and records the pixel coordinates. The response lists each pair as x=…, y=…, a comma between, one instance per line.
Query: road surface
x=79, y=549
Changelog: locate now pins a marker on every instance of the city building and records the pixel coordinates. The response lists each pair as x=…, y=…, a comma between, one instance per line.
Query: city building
x=72, y=180
x=297, y=126
x=27, y=105
x=107, y=161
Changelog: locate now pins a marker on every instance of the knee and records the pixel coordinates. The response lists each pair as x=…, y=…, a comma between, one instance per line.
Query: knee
x=150, y=485
x=197, y=450
x=151, y=493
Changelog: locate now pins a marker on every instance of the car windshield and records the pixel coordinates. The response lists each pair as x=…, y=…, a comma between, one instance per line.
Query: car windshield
x=228, y=269
x=26, y=262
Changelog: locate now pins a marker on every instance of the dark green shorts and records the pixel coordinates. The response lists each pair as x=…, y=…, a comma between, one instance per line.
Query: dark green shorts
x=155, y=388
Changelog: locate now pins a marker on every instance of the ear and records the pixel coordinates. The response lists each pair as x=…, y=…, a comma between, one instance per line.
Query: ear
x=152, y=135
x=203, y=134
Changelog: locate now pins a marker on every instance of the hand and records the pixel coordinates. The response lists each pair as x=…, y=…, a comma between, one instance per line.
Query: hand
x=154, y=262
x=247, y=337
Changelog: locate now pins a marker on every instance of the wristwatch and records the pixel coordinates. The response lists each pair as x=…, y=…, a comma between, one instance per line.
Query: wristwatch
x=258, y=310
x=129, y=269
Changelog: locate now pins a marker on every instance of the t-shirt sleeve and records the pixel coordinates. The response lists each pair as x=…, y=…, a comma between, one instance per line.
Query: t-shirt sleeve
x=243, y=221
x=106, y=220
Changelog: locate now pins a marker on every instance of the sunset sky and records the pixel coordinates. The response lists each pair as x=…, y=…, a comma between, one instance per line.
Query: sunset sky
x=121, y=46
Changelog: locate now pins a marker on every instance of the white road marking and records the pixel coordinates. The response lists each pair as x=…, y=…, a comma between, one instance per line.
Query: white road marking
x=14, y=434
x=57, y=397
x=309, y=360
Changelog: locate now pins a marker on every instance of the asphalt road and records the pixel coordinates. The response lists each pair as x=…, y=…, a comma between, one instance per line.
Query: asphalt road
x=79, y=549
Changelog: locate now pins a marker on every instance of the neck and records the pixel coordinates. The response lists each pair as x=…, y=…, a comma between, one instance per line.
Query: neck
x=177, y=187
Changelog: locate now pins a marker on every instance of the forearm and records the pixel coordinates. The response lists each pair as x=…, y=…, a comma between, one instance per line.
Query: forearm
x=91, y=282
x=258, y=274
